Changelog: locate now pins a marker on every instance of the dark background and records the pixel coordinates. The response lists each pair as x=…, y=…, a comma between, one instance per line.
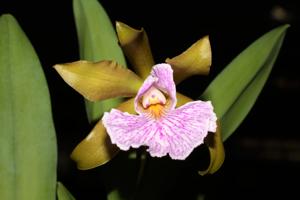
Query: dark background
x=262, y=156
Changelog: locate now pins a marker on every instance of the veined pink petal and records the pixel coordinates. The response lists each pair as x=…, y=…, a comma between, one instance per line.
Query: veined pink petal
x=189, y=124
x=161, y=77
x=176, y=133
x=127, y=130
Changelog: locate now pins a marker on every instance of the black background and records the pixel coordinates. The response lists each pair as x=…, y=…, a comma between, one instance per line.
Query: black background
x=262, y=156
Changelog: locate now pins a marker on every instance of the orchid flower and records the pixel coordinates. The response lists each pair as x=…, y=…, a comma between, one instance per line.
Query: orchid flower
x=150, y=118
x=159, y=125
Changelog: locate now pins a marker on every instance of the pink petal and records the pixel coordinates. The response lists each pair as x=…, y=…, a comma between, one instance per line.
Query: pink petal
x=190, y=124
x=165, y=83
x=176, y=134
x=161, y=77
x=127, y=130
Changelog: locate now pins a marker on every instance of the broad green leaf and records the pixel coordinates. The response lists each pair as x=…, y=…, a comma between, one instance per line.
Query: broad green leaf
x=63, y=193
x=27, y=137
x=97, y=41
x=235, y=90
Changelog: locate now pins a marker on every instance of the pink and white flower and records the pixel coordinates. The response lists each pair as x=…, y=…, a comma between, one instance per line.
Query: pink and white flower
x=160, y=126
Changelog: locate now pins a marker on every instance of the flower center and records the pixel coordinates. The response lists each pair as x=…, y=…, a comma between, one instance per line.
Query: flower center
x=153, y=101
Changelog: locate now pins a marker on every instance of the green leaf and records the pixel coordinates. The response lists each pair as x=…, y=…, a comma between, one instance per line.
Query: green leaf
x=97, y=41
x=235, y=90
x=63, y=193
x=27, y=137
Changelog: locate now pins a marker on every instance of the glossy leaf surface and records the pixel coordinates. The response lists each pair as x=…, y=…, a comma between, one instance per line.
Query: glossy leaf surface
x=27, y=137
x=235, y=90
